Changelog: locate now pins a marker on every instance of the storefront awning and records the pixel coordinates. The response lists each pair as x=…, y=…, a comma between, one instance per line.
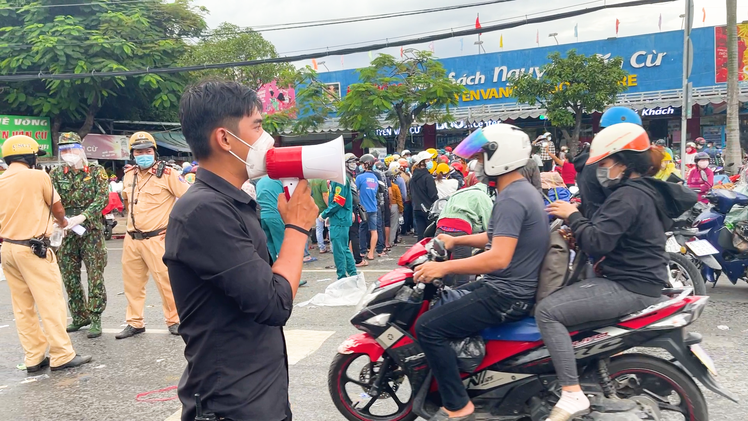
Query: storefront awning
x=171, y=140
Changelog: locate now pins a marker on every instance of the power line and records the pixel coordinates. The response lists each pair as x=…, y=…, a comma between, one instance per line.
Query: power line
x=283, y=26
x=344, y=51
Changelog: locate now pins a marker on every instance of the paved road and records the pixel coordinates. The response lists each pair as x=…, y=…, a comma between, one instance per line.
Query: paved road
x=133, y=379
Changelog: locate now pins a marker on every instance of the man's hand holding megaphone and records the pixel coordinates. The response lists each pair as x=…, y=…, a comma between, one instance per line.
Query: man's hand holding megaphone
x=300, y=211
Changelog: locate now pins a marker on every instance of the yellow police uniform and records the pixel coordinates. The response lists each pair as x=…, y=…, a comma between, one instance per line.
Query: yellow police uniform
x=25, y=213
x=150, y=199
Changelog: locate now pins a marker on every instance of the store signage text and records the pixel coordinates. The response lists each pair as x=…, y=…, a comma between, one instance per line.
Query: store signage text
x=389, y=131
x=464, y=125
x=646, y=112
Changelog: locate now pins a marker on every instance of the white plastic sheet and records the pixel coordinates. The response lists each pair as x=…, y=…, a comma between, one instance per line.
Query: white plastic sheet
x=343, y=292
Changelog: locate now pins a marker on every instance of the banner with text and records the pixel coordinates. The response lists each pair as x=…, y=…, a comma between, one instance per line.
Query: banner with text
x=37, y=128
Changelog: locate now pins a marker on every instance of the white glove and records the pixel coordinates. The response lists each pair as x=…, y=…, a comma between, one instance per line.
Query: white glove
x=75, y=220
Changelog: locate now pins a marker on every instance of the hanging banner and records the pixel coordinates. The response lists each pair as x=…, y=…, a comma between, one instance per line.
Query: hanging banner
x=720, y=53
x=104, y=146
x=37, y=128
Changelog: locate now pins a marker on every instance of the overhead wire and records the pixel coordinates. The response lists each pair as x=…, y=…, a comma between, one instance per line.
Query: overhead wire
x=323, y=53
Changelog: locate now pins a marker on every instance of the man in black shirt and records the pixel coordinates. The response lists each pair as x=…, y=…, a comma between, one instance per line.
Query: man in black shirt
x=232, y=303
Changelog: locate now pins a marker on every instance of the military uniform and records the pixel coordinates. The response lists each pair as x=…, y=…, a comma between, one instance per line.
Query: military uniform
x=84, y=192
x=35, y=283
x=150, y=197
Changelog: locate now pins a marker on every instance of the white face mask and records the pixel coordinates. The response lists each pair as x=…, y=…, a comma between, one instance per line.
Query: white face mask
x=703, y=164
x=255, y=161
x=73, y=160
x=248, y=188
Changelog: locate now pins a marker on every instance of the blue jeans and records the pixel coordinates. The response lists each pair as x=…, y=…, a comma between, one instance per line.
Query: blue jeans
x=321, y=235
x=380, y=231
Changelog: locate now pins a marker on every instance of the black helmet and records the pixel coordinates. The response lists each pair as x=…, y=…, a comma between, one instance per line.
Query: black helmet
x=380, y=166
x=367, y=159
x=701, y=155
x=660, y=142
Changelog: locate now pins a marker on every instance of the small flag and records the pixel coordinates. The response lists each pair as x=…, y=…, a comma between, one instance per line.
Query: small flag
x=703, y=11
x=314, y=64
x=618, y=22
x=431, y=46
x=342, y=63
x=477, y=23
x=370, y=57
x=501, y=41
x=401, y=52
x=659, y=24
x=537, y=37
x=576, y=31
x=462, y=43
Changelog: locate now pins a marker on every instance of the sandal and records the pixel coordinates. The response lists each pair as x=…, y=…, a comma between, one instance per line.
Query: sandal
x=362, y=264
x=324, y=251
x=310, y=259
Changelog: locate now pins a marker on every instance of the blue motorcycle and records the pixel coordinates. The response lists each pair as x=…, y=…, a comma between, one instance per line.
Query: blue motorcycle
x=715, y=249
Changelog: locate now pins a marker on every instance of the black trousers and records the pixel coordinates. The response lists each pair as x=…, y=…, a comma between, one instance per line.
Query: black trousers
x=353, y=237
x=407, y=217
x=421, y=221
x=464, y=317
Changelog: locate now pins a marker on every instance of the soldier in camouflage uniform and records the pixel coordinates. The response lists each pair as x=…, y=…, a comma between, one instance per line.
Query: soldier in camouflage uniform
x=84, y=192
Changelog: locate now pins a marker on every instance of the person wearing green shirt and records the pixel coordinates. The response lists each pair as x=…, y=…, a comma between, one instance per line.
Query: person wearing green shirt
x=467, y=212
x=320, y=194
x=340, y=212
x=270, y=219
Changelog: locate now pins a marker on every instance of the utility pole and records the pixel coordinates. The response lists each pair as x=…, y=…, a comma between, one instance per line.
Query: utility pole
x=733, y=152
x=687, y=62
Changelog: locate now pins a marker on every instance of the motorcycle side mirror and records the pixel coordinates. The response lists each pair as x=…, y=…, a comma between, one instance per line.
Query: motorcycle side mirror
x=704, y=176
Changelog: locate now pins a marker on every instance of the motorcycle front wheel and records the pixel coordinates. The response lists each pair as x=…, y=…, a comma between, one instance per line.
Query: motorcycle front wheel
x=350, y=380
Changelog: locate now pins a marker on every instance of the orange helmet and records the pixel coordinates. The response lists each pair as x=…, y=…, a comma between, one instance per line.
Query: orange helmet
x=616, y=138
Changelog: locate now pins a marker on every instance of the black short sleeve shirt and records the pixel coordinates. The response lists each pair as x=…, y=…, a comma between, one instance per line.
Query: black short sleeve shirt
x=231, y=305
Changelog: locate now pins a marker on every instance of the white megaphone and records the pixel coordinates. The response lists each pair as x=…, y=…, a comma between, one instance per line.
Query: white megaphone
x=291, y=163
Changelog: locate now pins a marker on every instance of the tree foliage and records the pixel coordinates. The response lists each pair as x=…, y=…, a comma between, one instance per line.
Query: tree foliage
x=570, y=87
x=230, y=43
x=93, y=37
x=314, y=103
x=413, y=89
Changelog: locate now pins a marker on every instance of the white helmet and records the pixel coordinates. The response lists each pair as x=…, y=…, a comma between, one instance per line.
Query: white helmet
x=394, y=168
x=422, y=156
x=405, y=152
x=505, y=148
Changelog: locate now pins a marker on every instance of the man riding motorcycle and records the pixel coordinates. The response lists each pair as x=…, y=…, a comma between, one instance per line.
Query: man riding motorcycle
x=511, y=263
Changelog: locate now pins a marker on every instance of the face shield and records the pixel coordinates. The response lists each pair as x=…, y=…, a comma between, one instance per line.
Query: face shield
x=73, y=155
x=472, y=145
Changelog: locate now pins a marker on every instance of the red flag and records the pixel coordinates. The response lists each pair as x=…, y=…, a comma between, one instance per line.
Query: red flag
x=431, y=46
x=617, y=23
x=401, y=52
x=314, y=64
x=537, y=37
x=477, y=23
x=703, y=10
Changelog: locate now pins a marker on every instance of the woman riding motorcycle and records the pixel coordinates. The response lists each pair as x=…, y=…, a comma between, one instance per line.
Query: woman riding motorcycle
x=627, y=234
x=695, y=179
x=511, y=263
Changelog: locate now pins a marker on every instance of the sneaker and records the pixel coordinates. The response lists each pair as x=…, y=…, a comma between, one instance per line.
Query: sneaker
x=130, y=331
x=75, y=362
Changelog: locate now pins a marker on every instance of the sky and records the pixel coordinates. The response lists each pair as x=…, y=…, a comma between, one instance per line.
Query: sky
x=594, y=26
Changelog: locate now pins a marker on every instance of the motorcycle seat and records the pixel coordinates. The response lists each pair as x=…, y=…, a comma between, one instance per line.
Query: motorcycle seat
x=725, y=240
x=526, y=330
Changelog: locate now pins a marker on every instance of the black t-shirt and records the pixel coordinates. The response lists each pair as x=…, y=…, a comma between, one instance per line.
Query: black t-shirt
x=231, y=305
x=519, y=213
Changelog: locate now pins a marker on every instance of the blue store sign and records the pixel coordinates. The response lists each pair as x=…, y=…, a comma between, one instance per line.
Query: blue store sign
x=653, y=61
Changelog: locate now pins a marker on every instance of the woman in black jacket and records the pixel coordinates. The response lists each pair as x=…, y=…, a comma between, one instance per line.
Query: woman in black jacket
x=627, y=237
x=422, y=191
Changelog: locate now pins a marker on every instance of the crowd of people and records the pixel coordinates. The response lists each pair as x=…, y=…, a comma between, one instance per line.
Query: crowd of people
x=229, y=294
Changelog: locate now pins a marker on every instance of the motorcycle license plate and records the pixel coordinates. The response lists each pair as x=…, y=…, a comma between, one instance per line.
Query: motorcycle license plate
x=109, y=216
x=701, y=248
x=705, y=359
x=672, y=246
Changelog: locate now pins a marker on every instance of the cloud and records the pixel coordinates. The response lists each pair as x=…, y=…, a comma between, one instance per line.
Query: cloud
x=598, y=25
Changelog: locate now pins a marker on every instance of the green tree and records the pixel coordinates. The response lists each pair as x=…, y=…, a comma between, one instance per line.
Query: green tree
x=42, y=37
x=570, y=87
x=413, y=89
x=314, y=103
x=230, y=43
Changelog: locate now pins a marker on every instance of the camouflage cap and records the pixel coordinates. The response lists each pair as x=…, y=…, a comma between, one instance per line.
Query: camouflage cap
x=68, y=138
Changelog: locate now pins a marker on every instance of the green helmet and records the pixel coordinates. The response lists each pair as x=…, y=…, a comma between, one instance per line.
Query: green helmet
x=68, y=138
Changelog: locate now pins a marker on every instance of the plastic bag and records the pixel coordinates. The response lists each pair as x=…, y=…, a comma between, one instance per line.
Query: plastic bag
x=343, y=292
x=737, y=213
x=470, y=352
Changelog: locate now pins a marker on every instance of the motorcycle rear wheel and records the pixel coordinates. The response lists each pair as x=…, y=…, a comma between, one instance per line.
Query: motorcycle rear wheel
x=677, y=395
x=340, y=375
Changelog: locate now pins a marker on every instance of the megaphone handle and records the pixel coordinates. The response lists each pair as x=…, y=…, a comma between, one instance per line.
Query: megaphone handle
x=289, y=185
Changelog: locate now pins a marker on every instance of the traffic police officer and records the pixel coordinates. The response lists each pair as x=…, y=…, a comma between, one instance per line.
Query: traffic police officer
x=26, y=210
x=150, y=190
x=83, y=189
